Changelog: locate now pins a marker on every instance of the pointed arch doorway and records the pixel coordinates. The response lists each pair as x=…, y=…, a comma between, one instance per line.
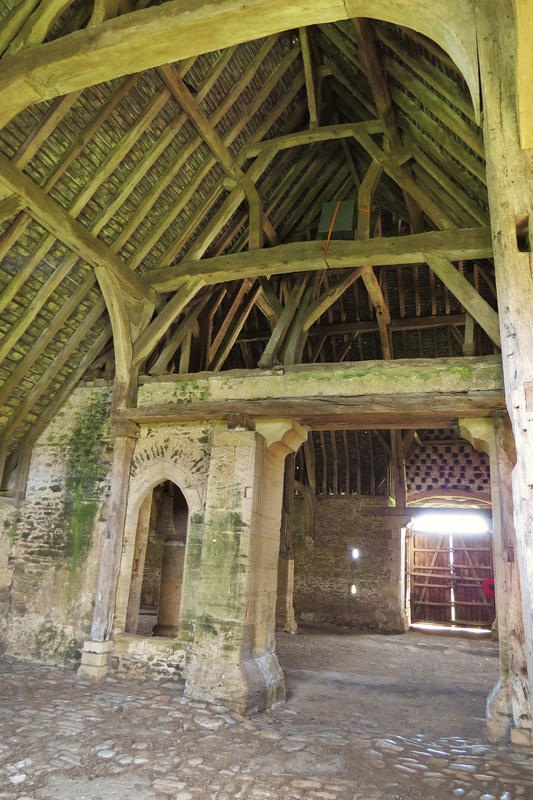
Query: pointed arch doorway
x=154, y=601
x=150, y=592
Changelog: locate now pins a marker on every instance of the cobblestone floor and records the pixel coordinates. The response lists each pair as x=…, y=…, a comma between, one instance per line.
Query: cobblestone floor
x=66, y=739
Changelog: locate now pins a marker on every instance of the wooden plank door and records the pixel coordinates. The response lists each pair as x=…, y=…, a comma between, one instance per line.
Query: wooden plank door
x=446, y=574
x=472, y=557
x=430, y=576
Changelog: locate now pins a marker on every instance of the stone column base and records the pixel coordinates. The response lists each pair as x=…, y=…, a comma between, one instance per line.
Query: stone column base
x=95, y=659
x=522, y=737
x=498, y=715
x=247, y=687
x=168, y=631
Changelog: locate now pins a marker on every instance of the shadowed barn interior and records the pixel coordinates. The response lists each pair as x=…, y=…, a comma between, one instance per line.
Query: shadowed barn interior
x=265, y=303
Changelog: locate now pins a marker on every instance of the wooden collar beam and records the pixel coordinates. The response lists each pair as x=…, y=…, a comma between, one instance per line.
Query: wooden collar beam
x=371, y=394
x=455, y=245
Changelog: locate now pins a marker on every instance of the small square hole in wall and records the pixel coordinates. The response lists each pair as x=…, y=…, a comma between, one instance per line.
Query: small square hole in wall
x=247, y=491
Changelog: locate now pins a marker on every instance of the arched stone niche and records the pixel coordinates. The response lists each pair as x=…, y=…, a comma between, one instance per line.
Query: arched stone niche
x=163, y=453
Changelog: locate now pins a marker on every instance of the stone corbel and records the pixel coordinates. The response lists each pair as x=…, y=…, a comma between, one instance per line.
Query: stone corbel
x=283, y=435
x=480, y=434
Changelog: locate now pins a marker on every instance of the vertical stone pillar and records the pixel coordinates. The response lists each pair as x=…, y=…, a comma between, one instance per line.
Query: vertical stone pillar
x=508, y=709
x=285, y=620
x=94, y=658
x=168, y=615
x=284, y=603
x=510, y=187
x=233, y=658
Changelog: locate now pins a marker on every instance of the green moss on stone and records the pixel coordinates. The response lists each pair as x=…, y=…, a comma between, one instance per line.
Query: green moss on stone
x=85, y=472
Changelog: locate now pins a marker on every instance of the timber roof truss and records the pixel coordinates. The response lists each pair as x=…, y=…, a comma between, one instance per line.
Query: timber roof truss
x=175, y=212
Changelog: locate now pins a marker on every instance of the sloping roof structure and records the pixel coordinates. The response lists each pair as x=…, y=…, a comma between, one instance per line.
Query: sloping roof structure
x=171, y=176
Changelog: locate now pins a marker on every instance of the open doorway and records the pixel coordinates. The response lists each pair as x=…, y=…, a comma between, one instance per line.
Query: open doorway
x=449, y=569
x=154, y=601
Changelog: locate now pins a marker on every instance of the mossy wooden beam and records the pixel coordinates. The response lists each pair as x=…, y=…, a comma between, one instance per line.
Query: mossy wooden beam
x=189, y=326
x=383, y=394
x=237, y=324
x=68, y=230
x=36, y=27
x=364, y=211
x=454, y=244
x=279, y=333
x=328, y=298
x=14, y=21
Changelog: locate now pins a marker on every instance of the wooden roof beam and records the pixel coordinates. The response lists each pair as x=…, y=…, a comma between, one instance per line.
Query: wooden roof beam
x=155, y=36
x=39, y=346
x=309, y=77
x=364, y=212
x=394, y=168
x=50, y=374
x=68, y=230
x=456, y=244
x=323, y=134
x=368, y=394
x=365, y=37
x=458, y=285
x=206, y=130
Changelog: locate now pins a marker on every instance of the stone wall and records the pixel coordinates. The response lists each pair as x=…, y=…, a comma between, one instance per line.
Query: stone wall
x=54, y=536
x=325, y=571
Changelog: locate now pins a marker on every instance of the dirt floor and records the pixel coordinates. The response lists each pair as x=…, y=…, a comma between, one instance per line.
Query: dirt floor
x=368, y=717
x=435, y=684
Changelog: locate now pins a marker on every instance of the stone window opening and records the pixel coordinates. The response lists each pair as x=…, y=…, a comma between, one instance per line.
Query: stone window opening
x=158, y=564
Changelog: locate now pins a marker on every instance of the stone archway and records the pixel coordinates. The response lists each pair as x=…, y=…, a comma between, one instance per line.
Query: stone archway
x=140, y=490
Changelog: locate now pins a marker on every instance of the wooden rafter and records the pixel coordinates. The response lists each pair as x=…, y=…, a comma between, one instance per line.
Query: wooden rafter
x=393, y=144
x=55, y=219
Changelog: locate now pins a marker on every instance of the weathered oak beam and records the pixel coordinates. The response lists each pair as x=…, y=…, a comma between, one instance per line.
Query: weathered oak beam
x=177, y=30
x=323, y=134
x=171, y=311
x=393, y=144
x=309, y=77
x=71, y=232
x=358, y=395
x=480, y=310
x=457, y=244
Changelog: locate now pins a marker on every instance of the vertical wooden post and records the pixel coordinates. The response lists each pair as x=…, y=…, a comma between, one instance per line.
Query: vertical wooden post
x=94, y=661
x=398, y=469
x=508, y=710
x=510, y=187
